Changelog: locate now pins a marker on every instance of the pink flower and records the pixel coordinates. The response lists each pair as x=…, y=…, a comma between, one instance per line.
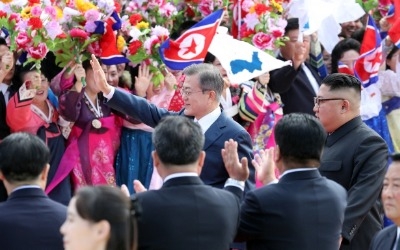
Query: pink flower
x=168, y=10
x=38, y=52
x=90, y=26
x=92, y=15
x=263, y=41
x=36, y=11
x=247, y=4
x=51, y=11
x=23, y=40
x=161, y=32
x=206, y=7
x=53, y=29
x=251, y=20
x=150, y=43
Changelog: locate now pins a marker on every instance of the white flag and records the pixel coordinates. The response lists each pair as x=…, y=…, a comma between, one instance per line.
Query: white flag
x=241, y=60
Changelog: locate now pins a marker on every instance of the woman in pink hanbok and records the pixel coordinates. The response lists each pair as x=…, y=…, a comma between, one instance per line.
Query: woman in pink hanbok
x=95, y=136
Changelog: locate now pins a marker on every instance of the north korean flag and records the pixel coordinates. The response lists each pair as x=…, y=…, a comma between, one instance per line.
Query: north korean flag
x=367, y=65
x=192, y=46
x=343, y=68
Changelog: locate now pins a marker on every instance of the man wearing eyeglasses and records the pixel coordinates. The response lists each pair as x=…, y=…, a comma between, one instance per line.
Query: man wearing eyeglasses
x=201, y=92
x=354, y=156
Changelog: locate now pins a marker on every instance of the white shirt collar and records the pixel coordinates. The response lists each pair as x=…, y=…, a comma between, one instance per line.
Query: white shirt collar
x=206, y=121
x=296, y=170
x=25, y=187
x=176, y=175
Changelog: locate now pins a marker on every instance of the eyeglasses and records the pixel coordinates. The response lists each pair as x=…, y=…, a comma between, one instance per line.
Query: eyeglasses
x=189, y=93
x=318, y=100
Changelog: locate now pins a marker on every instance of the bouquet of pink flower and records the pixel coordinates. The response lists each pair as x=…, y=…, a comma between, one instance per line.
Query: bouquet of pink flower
x=32, y=28
x=263, y=24
x=144, y=43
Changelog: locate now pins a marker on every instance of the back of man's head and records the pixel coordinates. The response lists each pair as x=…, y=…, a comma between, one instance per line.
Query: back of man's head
x=23, y=157
x=178, y=141
x=300, y=138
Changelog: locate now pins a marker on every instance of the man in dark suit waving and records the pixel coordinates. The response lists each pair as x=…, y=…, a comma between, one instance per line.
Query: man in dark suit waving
x=201, y=92
x=185, y=213
x=388, y=238
x=28, y=219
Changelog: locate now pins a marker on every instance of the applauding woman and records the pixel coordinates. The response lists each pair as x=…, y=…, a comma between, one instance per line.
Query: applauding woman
x=30, y=111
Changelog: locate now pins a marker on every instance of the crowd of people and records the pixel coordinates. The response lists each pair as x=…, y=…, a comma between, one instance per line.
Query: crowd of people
x=292, y=159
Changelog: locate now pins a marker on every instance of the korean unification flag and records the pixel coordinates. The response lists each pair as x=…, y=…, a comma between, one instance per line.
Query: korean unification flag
x=192, y=46
x=241, y=60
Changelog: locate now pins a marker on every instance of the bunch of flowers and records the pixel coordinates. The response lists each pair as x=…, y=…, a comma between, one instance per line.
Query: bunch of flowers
x=263, y=24
x=32, y=28
x=144, y=44
x=83, y=22
x=155, y=12
x=198, y=9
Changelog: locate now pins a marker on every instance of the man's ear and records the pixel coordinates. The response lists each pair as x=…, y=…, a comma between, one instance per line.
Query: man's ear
x=156, y=159
x=200, y=161
x=44, y=173
x=277, y=154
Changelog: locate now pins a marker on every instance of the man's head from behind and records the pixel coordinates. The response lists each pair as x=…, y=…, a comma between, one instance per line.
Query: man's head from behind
x=300, y=139
x=338, y=100
x=391, y=190
x=178, y=143
x=24, y=160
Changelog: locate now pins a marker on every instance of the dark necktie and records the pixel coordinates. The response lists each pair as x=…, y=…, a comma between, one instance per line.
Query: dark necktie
x=2, y=99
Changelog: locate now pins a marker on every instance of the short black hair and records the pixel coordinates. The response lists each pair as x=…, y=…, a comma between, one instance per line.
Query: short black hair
x=292, y=24
x=300, y=138
x=340, y=48
x=340, y=81
x=395, y=157
x=23, y=157
x=390, y=55
x=178, y=140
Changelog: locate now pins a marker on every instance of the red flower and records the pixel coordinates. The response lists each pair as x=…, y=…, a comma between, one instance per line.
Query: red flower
x=2, y=14
x=33, y=2
x=189, y=12
x=62, y=36
x=261, y=8
x=35, y=23
x=38, y=52
x=135, y=19
x=134, y=47
x=277, y=32
x=78, y=33
x=246, y=32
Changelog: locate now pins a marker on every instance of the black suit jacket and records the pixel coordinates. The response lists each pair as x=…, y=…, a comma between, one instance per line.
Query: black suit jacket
x=223, y=129
x=30, y=220
x=302, y=211
x=186, y=214
x=355, y=156
x=294, y=88
x=4, y=131
x=385, y=239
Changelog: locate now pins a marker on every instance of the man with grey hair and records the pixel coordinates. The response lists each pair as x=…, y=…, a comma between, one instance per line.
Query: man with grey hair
x=201, y=92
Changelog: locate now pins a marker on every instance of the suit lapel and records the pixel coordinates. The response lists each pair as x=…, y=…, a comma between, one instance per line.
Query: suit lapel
x=342, y=131
x=214, y=131
x=391, y=237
